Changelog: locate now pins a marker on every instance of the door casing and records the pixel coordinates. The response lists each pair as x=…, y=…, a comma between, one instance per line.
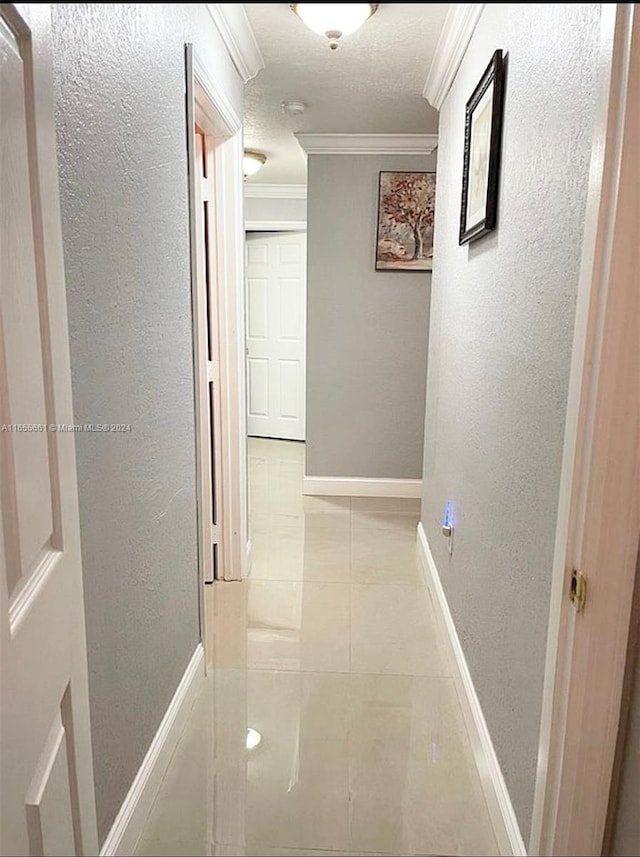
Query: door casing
x=209, y=110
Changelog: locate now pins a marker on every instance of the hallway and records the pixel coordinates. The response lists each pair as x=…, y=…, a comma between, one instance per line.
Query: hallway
x=331, y=652
x=407, y=234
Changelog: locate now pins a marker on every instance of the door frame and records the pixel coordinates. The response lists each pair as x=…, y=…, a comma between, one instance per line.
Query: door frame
x=586, y=652
x=208, y=107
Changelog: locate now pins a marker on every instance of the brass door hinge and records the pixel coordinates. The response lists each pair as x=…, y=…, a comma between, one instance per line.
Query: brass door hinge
x=578, y=593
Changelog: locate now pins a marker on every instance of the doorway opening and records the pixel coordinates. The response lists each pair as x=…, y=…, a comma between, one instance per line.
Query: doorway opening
x=214, y=143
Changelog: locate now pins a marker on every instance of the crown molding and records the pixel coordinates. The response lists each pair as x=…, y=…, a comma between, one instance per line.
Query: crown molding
x=235, y=30
x=275, y=191
x=367, y=144
x=459, y=26
x=216, y=95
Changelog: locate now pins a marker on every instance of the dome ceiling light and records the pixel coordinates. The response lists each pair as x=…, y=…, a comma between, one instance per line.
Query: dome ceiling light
x=334, y=20
x=293, y=108
x=252, y=161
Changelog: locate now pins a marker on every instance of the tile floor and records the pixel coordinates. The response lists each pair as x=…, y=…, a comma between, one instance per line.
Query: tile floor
x=331, y=652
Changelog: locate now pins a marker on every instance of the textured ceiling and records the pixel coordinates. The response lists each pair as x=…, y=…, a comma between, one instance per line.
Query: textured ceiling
x=372, y=83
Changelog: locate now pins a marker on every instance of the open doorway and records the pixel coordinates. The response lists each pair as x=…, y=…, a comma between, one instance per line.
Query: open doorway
x=214, y=155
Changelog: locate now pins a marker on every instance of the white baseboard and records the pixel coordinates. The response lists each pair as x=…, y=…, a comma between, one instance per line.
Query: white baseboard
x=129, y=823
x=503, y=817
x=346, y=486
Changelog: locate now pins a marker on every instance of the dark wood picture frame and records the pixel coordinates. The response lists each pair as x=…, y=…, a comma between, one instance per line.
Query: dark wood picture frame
x=482, y=148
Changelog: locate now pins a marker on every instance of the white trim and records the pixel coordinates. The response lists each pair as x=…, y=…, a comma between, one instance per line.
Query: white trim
x=130, y=820
x=216, y=95
x=230, y=265
x=275, y=226
x=367, y=144
x=235, y=31
x=459, y=26
x=275, y=191
x=228, y=206
x=501, y=809
x=347, y=486
x=28, y=596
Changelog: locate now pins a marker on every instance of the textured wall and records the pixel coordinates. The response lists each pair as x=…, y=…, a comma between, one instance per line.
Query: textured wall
x=502, y=318
x=122, y=158
x=275, y=209
x=366, y=330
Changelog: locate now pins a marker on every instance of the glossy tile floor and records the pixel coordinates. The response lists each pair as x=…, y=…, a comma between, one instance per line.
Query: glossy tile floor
x=331, y=652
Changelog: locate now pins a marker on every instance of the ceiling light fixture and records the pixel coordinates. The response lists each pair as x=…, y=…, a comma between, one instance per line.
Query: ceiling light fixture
x=334, y=20
x=252, y=161
x=293, y=108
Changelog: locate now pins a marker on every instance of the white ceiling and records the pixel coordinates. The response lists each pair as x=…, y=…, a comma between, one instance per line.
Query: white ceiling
x=372, y=83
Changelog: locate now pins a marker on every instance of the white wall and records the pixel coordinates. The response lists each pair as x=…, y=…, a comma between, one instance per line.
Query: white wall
x=500, y=342
x=274, y=210
x=366, y=329
x=120, y=86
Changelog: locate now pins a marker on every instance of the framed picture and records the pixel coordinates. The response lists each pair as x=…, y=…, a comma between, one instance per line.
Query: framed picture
x=406, y=203
x=482, y=142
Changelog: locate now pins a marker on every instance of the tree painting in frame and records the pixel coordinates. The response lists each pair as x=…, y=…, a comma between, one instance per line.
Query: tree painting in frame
x=482, y=144
x=406, y=203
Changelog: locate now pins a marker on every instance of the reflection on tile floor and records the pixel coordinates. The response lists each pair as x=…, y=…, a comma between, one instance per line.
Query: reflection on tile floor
x=331, y=652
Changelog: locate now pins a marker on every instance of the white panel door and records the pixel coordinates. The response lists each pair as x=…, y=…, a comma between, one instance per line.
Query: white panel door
x=47, y=793
x=276, y=334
